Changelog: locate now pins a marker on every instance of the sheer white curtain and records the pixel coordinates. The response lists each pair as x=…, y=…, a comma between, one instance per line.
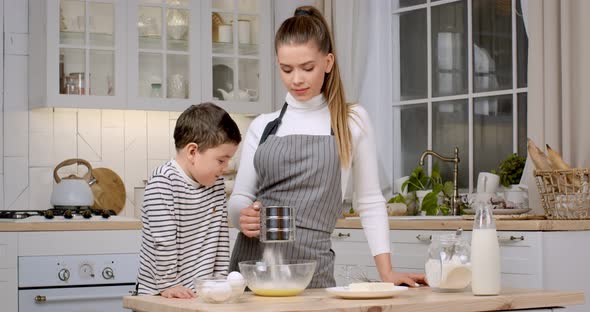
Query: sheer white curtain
x=558, y=79
x=362, y=35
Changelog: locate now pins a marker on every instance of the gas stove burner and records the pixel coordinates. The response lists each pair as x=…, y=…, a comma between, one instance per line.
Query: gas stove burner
x=18, y=214
x=68, y=212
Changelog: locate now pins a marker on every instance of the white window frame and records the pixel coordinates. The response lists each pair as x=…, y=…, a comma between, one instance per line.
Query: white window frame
x=469, y=96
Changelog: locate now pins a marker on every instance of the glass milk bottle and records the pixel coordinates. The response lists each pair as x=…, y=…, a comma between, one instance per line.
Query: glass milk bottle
x=485, y=252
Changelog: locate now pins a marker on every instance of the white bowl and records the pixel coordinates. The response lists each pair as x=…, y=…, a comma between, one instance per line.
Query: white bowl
x=219, y=289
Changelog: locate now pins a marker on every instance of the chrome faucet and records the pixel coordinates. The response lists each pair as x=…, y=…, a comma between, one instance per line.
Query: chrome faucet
x=455, y=160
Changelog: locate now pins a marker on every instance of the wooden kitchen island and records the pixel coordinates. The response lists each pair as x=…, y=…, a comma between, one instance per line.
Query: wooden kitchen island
x=419, y=299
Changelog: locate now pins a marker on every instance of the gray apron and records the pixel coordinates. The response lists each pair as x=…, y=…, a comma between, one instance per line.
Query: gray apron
x=302, y=171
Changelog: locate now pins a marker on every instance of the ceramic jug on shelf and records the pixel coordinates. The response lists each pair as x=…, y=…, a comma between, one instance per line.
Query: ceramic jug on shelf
x=241, y=95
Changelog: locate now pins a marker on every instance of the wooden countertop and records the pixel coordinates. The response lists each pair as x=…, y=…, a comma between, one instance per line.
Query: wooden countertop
x=501, y=225
x=421, y=299
x=118, y=223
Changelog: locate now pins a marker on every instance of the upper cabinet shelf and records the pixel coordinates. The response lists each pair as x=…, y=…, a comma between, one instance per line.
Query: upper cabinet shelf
x=77, y=54
x=151, y=54
x=164, y=58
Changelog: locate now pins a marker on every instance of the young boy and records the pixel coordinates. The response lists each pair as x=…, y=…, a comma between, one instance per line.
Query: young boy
x=184, y=215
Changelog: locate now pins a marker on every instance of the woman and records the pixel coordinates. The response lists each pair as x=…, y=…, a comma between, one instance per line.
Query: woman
x=304, y=155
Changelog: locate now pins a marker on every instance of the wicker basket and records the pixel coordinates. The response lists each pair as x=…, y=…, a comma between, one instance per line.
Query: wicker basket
x=564, y=193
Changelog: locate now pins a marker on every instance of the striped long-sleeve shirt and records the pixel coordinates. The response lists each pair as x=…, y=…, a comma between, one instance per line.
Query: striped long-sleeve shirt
x=185, y=232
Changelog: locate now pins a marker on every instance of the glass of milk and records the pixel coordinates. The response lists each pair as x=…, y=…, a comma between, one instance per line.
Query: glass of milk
x=448, y=267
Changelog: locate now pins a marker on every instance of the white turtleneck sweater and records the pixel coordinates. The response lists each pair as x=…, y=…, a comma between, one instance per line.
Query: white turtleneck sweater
x=313, y=118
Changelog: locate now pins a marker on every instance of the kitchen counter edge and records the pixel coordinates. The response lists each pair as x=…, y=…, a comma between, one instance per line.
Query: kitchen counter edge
x=421, y=299
x=501, y=225
x=70, y=226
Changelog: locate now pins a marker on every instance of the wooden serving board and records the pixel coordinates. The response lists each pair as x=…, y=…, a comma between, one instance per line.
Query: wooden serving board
x=108, y=190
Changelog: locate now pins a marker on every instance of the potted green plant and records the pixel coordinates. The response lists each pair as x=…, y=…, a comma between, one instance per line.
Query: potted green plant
x=510, y=170
x=429, y=189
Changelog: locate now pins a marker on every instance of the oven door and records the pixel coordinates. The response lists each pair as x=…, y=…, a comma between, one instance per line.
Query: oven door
x=74, y=299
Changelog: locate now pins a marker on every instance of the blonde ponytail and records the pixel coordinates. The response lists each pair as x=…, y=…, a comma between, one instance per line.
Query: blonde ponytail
x=307, y=24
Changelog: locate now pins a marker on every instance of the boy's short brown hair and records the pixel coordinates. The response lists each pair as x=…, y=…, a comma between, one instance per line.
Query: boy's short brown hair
x=207, y=125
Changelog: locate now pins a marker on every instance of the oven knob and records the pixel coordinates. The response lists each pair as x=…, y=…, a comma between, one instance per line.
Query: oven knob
x=86, y=271
x=63, y=275
x=108, y=273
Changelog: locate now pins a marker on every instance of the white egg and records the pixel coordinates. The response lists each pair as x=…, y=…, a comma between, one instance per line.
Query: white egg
x=219, y=292
x=235, y=276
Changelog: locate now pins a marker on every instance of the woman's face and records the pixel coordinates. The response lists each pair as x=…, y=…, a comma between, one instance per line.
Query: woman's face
x=303, y=68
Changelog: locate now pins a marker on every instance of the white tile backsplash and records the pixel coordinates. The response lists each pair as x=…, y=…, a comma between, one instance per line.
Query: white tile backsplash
x=113, y=118
x=40, y=187
x=135, y=152
x=16, y=181
x=64, y=132
x=158, y=135
x=16, y=134
x=15, y=87
x=113, y=150
x=41, y=120
x=89, y=134
x=15, y=107
x=41, y=149
x=132, y=143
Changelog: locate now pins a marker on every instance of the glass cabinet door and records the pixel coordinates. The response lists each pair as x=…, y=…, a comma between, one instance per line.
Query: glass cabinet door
x=87, y=48
x=240, y=57
x=164, y=58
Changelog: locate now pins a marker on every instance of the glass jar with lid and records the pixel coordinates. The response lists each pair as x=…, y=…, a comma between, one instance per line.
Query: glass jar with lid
x=448, y=266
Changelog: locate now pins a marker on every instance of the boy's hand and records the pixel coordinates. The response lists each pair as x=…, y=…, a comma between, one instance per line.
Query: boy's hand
x=180, y=292
x=250, y=219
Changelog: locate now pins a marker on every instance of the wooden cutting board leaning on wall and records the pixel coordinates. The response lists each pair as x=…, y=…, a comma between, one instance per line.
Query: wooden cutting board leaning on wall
x=108, y=190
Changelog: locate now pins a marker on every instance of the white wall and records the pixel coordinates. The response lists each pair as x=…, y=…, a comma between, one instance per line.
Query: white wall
x=132, y=143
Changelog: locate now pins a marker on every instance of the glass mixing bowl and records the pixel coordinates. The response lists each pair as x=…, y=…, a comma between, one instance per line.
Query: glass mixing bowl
x=278, y=280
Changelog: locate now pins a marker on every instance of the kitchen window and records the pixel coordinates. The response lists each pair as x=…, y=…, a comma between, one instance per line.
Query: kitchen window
x=459, y=79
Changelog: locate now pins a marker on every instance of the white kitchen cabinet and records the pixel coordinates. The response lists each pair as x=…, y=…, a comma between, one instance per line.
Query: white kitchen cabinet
x=237, y=58
x=77, y=53
x=150, y=54
x=529, y=259
x=8, y=271
x=521, y=254
x=164, y=56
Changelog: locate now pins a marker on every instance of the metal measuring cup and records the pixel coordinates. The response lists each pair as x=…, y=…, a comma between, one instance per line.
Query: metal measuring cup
x=277, y=223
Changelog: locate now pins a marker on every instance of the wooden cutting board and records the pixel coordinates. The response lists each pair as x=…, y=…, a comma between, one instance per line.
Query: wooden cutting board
x=108, y=190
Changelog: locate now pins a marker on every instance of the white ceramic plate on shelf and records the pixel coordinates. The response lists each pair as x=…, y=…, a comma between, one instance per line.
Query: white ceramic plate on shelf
x=502, y=211
x=345, y=292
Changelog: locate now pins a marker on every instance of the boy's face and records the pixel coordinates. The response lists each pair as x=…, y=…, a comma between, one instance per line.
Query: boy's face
x=207, y=166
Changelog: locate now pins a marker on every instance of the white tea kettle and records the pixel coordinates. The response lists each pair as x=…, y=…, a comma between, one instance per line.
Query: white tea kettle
x=72, y=190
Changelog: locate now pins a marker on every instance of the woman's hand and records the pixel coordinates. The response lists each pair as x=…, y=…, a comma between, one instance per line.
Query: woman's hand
x=178, y=292
x=250, y=219
x=383, y=262
x=410, y=279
